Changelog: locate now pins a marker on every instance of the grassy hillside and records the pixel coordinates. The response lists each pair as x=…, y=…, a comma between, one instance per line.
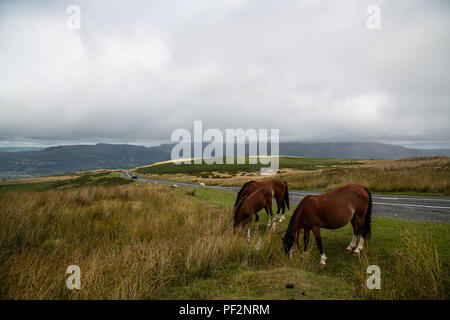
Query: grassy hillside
x=149, y=241
x=104, y=178
x=428, y=175
x=306, y=164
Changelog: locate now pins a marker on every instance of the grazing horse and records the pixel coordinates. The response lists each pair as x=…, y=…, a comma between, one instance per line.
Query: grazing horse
x=280, y=192
x=331, y=210
x=249, y=205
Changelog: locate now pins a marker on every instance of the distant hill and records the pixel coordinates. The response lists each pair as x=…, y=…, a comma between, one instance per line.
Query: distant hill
x=356, y=150
x=63, y=159
x=15, y=149
x=16, y=164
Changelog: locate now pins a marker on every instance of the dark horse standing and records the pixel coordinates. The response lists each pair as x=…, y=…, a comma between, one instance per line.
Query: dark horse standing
x=249, y=205
x=331, y=210
x=279, y=189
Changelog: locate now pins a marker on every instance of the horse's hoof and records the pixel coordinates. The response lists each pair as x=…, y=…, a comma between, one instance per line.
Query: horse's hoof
x=322, y=264
x=349, y=250
x=356, y=253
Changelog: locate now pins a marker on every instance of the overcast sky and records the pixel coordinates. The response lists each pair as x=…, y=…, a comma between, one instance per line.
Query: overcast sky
x=137, y=70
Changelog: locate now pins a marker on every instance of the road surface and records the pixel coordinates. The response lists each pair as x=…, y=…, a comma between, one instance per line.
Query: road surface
x=411, y=207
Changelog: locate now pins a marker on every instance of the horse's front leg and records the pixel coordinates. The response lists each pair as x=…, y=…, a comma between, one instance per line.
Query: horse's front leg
x=323, y=257
x=267, y=212
x=306, y=238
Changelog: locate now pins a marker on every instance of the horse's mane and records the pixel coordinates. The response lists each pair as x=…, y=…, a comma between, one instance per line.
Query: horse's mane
x=238, y=208
x=289, y=236
x=240, y=191
x=290, y=227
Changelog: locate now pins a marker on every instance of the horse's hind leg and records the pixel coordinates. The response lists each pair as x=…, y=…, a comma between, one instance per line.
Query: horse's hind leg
x=280, y=204
x=283, y=211
x=268, y=208
x=323, y=257
x=269, y=215
x=360, y=247
x=280, y=216
x=352, y=244
x=360, y=226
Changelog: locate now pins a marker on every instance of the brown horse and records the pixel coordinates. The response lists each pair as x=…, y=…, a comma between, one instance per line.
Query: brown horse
x=249, y=205
x=331, y=210
x=280, y=192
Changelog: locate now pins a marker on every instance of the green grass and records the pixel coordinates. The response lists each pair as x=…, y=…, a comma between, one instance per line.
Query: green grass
x=386, y=241
x=240, y=283
x=285, y=162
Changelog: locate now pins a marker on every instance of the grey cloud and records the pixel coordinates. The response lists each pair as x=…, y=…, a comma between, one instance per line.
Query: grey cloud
x=138, y=70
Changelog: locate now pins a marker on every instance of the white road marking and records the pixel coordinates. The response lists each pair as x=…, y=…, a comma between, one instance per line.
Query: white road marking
x=409, y=205
x=424, y=199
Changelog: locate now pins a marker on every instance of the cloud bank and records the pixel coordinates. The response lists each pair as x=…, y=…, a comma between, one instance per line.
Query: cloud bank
x=137, y=70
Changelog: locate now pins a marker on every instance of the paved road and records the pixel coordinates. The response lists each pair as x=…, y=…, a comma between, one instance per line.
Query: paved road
x=420, y=208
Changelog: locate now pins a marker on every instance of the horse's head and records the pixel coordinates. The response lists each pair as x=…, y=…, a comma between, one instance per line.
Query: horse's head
x=288, y=242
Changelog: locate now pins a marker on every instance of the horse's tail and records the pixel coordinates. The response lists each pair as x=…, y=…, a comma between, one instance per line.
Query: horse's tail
x=240, y=192
x=237, y=209
x=286, y=195
x=368, y=217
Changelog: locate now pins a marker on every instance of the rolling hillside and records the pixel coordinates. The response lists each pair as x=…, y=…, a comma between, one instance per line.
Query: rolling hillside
x=63, y=159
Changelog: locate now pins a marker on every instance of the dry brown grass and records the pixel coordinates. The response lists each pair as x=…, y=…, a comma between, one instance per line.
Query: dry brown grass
x=38, y=179
x=413, y=175
x=417, y=272
x=152, y=241
x=130, y=242
x=410, y=175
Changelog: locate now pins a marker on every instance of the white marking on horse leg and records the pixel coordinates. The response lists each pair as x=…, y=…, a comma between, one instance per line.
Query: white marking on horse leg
x=352, y=243
x=360, y=246
x=268, y=223
x=323, y=258
x=291, y=253
x=248, y=234
x=283, y=216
